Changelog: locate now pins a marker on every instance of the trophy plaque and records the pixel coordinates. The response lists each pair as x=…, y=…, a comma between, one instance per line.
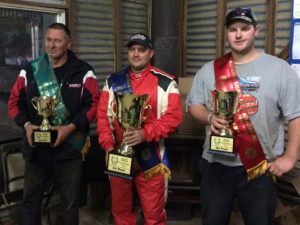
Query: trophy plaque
x=130, y=114
x=225, y=106
x=44, y=136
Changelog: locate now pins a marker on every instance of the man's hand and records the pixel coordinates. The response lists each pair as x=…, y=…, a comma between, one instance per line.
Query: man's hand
x=29, y=128
x=134, y=137
x=106, y=154
x=216, y=124
x=63, y=133
x=282, y=165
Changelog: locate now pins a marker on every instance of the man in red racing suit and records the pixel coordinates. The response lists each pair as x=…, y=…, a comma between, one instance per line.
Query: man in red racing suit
x=165, y=116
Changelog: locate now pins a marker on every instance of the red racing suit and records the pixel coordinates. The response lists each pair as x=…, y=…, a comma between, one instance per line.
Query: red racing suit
x=165, y=117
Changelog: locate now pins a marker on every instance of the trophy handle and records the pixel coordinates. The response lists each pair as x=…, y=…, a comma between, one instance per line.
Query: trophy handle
x=210, y=104
x=112, y=109
x=144, y=117
x=34, y=102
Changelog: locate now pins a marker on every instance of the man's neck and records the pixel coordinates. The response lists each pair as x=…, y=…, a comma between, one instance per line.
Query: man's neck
x=245, y=58
x=138, y=72
x=59, y=62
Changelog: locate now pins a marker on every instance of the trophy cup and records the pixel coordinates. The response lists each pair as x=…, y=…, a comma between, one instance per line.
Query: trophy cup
x=44, y=136
x=130, y=110
x=225, y=105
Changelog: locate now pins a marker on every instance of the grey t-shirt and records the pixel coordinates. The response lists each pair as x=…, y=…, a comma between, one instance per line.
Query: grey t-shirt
x=274, y=84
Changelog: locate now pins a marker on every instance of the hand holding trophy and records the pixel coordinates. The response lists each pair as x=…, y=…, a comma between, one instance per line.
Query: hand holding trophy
x=225, y=105
x=130, y=114
x=44, y=137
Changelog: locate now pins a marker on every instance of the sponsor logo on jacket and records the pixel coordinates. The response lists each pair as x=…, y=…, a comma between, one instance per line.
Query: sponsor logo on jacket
x=74, y=85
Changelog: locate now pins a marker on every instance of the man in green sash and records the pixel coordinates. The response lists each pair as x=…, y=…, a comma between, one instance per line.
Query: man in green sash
x=266, y=91
x=71, y=83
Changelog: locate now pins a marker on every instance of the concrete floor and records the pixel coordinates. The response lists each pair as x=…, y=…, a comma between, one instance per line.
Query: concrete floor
x=93, y=217
x=103, y=217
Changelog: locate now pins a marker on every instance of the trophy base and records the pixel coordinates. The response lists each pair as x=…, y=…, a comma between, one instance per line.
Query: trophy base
x=119, y=165
x=44, y=139
x=222, y=145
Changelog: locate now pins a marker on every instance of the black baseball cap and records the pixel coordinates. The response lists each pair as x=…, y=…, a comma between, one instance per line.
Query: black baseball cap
x=241, y=14
x=140, y=38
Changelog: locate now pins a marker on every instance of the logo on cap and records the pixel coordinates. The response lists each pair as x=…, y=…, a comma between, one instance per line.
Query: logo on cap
x=240, y=14
x=140, y=38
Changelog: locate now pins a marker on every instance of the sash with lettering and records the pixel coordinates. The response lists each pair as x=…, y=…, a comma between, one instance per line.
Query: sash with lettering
x=246, y=142
x=146, y=152
x=48, y=86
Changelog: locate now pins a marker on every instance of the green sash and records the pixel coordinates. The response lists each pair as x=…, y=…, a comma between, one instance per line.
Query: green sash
x=47, y=84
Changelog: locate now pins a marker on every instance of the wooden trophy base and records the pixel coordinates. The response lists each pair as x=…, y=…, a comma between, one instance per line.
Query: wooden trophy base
x=119, y=165
x=222, y=145
x=44, y=139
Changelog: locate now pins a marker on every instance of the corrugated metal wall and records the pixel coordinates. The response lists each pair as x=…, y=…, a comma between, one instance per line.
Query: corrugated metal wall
x=58, y=2
x=201, y=34
x=94, y=35
x=283, y=24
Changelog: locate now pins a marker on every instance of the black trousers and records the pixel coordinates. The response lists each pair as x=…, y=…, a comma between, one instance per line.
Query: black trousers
x=66, y=175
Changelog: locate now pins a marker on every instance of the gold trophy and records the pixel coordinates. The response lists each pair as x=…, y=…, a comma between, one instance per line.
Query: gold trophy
x=44, y=137
x=130, y=114
x=225, y=106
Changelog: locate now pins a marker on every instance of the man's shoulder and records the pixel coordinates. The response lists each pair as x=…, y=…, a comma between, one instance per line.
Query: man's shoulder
x=164, y=79
x=272, y=58
x=118, y=74
x=161, y=74
x=85, y=65
x=79, y=62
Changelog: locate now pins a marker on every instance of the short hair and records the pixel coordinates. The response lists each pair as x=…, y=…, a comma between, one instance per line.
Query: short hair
x=61, y=26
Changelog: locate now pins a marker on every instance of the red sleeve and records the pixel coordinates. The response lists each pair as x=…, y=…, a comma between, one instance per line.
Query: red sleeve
x=17, y=109
x=91, y=85
x=89, y=101
x=168, y=122
x=106, y=138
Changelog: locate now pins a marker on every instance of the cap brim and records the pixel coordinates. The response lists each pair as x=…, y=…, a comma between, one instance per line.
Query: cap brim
x=139, y=42
x=241, y=19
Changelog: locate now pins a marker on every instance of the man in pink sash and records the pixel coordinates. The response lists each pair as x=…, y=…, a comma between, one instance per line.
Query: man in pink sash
x=267, y=97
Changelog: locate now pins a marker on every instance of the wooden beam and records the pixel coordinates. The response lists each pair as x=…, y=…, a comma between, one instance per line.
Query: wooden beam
x=270, y=27
x=180, y=43
x=220, y=32
x=69, y=18
x=284, y=54
x=184, y=38
x=36, y=4
x=149, y=29
x=117, y=36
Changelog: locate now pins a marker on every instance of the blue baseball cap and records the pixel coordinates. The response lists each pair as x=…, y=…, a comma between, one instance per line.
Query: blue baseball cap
x=140, y=38
x=241, y=14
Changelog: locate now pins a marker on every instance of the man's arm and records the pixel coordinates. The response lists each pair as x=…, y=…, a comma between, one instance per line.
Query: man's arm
x=169, y=120
x=287, y=161
x=86, y=114
x=104, y=129
x=202, y=114
x=17, y=108
x=89, y=102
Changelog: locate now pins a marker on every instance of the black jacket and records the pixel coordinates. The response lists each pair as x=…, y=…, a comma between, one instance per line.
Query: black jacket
x=79, y=90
